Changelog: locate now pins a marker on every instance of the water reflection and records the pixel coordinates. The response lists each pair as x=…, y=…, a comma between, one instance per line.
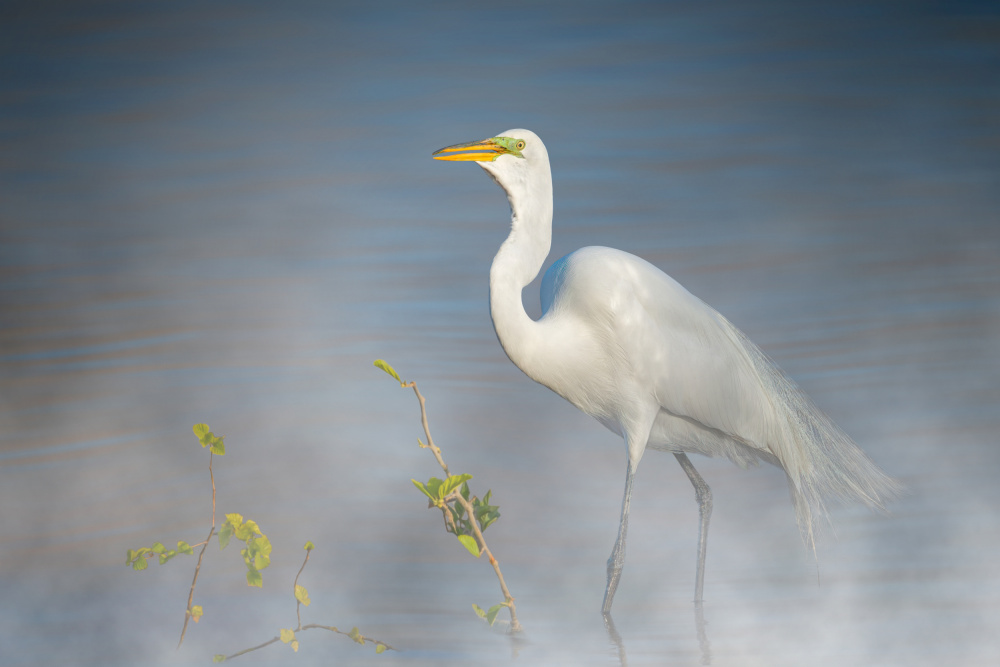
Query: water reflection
x=701, y=634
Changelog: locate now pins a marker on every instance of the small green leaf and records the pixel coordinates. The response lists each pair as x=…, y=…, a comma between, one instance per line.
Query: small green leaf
x=452, y=483
x=379, y=363
x=200, y=431
x=479, y=611
x=140, y=562
x=356, y=635
x=469, y=542
x=225, y=534
x=295, y=645
x=380, y=648
x=247, y=530
x=218, y=657
x=491, y=615
x=254, y=578
x=423, y=489
x=287, y=635
x=130, y=556
x=196, y=613
x=218, y=446
x=309, y=546
x=157, y=548
x=301, y=594
x=431, y=488
x=261, y=550
x=184, y=548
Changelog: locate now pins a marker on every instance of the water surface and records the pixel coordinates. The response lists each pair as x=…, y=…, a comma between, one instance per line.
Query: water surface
x=224, y=214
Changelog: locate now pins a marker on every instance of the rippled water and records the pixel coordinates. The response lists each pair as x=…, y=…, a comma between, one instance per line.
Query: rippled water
x=225, y=214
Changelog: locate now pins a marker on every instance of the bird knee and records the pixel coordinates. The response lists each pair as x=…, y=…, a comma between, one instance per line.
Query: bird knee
x=703, y=494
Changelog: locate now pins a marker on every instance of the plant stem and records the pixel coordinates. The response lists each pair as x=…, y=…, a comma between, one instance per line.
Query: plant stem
x=295, y=585
x=515, y=626
x=427, y=429
x=201, y=554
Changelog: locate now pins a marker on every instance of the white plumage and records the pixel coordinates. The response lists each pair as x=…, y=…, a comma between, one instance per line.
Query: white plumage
x=627, y=344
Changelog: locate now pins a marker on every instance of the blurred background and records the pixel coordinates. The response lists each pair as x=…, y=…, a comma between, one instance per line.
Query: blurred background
x=224, y=212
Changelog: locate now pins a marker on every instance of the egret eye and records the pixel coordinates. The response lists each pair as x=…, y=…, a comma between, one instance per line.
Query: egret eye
x=519, y=145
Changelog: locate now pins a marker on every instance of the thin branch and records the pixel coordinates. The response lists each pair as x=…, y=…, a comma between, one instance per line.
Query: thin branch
x=427, y=429
x=313, y=626
x=197, y=568
x=515, y=626
x=201, y=554
x=363, y=639
x=295, y=586
x=254, y=648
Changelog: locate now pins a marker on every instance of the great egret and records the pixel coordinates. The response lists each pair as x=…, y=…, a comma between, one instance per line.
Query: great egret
x=628, y=345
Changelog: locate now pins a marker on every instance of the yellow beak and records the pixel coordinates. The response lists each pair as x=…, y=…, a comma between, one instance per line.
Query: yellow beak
x=478, y=151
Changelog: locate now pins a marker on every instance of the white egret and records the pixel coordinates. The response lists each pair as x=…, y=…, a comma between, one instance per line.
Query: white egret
x=628, y=345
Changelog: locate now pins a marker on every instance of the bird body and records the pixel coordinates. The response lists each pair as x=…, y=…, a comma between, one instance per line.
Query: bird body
x=627, y=344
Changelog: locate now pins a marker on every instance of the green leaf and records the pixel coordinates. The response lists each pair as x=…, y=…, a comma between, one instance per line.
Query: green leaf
x=167, y=556
x=184, y=548
x=157, y=548
x=469, y=542
x=491, y=615
x=130, y=556
x=309, y=546
x=479, y=612
x=432, y=489
x=225, y=534
x=423, y=489
x=356, y=636
x=287, y=635
x=196, y=613
x=301, y=594
x=200, y=431
x=295, y=645
x=380, y=648
x=452, y=483
x=261, y=548
x=218, y=657
x=254, y=578
x=247, y=530
x=379, y=363
x=218, y=446
x=140, y=562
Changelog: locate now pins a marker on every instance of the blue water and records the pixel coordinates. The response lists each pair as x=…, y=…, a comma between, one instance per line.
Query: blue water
x=224, y=213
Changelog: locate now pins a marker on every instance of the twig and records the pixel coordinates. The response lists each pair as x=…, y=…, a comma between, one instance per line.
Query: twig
x=197, y=568
x=295, y=588
x=314, y=626
x=253, y=648
x=427, y=429
x=515, y=626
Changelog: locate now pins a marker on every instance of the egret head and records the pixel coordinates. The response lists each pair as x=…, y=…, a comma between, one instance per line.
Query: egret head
x=516, y=159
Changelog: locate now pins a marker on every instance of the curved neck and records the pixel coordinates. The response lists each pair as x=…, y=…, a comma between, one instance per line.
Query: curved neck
x=518, y=261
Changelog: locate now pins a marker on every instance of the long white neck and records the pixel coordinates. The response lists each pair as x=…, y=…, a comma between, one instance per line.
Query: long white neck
x=518, y=261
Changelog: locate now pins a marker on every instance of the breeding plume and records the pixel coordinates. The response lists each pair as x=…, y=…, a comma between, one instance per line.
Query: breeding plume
x=625, y=343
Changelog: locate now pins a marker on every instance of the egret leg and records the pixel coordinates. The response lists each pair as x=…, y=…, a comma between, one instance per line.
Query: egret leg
x=617, y=559
x=704, y=496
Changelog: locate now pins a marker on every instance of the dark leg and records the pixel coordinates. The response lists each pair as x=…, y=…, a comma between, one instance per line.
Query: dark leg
x=704, y=496
x=617, y=559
